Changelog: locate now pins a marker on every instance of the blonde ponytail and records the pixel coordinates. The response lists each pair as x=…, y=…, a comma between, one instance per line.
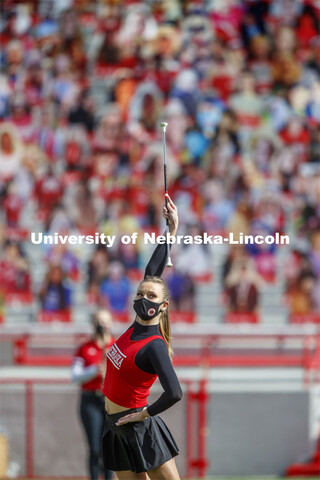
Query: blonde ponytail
x=164, y=325
x=165, y=330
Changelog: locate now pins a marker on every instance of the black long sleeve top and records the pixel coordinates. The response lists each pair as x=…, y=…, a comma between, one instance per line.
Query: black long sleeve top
x=154, y=357
x=157, y=262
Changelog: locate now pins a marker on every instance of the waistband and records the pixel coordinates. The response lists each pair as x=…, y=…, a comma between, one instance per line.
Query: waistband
x=114, y=417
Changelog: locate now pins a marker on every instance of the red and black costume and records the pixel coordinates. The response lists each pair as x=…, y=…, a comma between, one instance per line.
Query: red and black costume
x=134, y=362
x=136, y=359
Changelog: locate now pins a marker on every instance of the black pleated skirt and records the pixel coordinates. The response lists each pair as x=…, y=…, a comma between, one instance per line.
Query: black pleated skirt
x=136, y=446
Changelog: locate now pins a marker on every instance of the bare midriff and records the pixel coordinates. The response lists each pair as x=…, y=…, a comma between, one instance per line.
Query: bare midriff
x=112, y=407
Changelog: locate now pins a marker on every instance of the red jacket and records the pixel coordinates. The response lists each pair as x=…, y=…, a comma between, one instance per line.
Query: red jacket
x=92, y=354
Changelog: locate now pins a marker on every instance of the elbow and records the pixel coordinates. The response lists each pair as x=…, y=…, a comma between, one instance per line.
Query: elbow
x=177, y=396
x=180, y=395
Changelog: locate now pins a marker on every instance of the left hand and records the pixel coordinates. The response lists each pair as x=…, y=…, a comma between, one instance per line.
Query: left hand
x=170, y=213
x=133, y=417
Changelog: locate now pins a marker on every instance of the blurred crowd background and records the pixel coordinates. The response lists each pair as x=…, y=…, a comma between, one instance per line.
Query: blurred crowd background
x=83, y=87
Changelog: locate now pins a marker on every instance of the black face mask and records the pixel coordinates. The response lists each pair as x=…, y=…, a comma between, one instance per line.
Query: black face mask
x=100, y=330
x=145, y=309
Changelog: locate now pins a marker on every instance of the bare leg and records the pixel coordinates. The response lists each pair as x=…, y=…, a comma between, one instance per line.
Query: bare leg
x=166, y=471
x=128, y=475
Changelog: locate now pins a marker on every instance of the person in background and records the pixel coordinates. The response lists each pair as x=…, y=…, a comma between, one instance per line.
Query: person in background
x=62, y=255
x=55, y=295
x=243, y=287
x=301, y=296
x=182, y=291
x=97, y=269
x=10, y=151
x=88, y=369
x=115, y=289
x=14, y=270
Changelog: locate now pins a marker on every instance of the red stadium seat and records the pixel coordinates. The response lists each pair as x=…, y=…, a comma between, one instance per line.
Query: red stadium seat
x=234, y=317
x=250, y=121
x=151, y=230
x=92, y=298
x=59, y=316
x=269, y=277
x=135, y=275
x=185, y=317
x=239, y=360
x=122, y=317
x=75, y=276
x=19, y=297
x=312, y=317
x=71, y=177
x=205, y=278
x=101, y=70
x=88, y=19
x=42, y=214
x=17, y=233
x=23, y=356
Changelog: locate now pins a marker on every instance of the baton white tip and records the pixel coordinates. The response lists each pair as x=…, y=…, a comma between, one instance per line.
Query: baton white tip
x=169, y=263
x=163, y=125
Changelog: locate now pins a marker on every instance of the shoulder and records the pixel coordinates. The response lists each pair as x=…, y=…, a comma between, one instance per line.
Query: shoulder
x=156, y=346
x=86, y=348
x=155, y=353
x=81, y=350
x=153, y=356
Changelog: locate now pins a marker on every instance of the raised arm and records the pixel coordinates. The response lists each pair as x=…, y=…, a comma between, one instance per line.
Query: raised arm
x=157, y=262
